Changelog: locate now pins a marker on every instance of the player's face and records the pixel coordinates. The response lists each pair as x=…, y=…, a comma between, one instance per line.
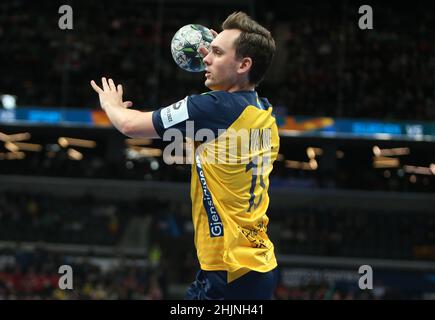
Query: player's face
x=221, y=64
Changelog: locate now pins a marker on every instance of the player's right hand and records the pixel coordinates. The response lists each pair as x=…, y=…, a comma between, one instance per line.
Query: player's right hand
x=110, y=94
x=203, y=50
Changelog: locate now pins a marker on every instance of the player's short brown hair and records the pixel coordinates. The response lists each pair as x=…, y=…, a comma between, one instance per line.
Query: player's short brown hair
x=254, y=41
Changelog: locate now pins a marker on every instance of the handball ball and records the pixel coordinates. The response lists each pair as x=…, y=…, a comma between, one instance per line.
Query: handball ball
x=185, y=44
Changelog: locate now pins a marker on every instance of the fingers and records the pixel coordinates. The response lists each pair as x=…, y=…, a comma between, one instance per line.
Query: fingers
x=214, y=33
x=96, y=87
x=203, y=51
x=120, y=90
x=128, y=104
x=105, y=84
x=112, y=85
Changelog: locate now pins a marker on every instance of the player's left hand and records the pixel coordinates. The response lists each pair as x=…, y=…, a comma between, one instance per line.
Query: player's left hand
x=110, y=94
x=203, y=50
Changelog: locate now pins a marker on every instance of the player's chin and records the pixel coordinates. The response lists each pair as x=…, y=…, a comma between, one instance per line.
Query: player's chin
x=212, y=85
x=209, y=84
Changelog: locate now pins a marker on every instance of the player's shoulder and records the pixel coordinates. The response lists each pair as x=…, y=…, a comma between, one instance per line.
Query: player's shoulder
x=266, y=102
x=235, y=102
x=216, y=102
x=212, y=96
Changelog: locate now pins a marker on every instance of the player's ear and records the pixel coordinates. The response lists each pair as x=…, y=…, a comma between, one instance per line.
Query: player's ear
x=245, y=65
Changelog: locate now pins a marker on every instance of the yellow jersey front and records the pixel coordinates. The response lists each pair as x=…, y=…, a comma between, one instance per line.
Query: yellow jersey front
x=235, y=142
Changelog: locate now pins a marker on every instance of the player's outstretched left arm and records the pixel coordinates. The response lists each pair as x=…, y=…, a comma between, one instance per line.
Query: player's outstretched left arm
x=132, y=123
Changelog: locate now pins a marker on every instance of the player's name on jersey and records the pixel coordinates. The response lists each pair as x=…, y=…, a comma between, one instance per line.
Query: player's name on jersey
x=224, y=146
x=260, y=140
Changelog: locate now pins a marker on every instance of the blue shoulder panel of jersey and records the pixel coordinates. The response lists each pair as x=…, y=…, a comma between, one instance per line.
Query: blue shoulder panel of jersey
x=267, y=105
x=212, y=110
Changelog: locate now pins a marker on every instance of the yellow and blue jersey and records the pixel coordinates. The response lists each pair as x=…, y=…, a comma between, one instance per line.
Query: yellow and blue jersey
x=235, y=140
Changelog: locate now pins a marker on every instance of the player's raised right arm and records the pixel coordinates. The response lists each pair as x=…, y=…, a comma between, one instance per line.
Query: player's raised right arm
x=203, y=50
x=132, y=123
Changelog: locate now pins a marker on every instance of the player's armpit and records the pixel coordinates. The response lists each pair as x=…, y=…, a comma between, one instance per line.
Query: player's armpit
x=139, y=125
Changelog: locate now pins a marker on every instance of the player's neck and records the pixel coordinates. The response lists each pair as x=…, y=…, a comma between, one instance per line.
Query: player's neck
x=244, y=87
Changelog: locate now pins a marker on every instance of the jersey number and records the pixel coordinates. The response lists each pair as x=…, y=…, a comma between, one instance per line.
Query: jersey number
x=255, y=173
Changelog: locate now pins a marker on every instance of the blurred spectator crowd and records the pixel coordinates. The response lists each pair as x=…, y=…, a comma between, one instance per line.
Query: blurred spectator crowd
x=356, y=233
x=325, y=65
x=25, y=217
x=33, y=275
x=309, y=230
x=86, y=222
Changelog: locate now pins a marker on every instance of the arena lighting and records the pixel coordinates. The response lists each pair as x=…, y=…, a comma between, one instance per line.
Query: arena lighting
x=14, y=137
x=19, y=136
x=311, y=165
x=9, y=101
x=12, y=155
x=390, y=152
x=383, y=136
x=28, y=146
x=313, y=152
x=154, y=165
x=62, y=142
x=136, y=151
x=73, y=154
x=138, y=142
x=376, y=151
x=420, y=170
x=66, y=142
x=293, y=164
x=11, y=147
x=385, y=162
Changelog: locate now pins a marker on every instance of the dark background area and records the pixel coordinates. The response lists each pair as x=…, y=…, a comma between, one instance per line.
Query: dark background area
x=122, y=221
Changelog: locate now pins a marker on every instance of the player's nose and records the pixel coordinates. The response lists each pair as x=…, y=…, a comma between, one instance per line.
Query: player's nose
x=206, y=59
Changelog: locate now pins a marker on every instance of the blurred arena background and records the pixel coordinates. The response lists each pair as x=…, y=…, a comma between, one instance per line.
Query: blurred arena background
x=354, y=184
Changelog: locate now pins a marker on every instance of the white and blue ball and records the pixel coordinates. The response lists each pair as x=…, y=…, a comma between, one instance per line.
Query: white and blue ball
x=185, y=44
